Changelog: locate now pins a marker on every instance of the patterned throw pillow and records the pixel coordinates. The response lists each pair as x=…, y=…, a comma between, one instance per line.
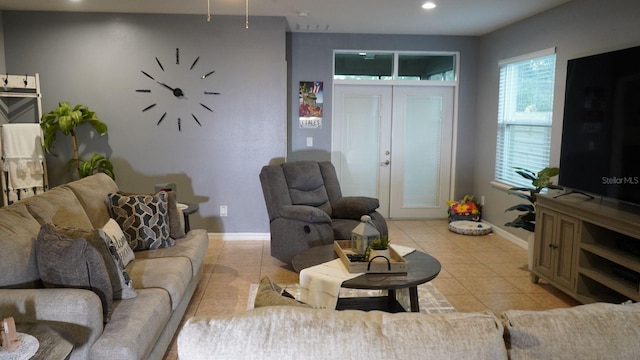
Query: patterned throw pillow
x=121, y=283
x=73, y=263
x=176, y=230
x=143, y=219
x=114, y=236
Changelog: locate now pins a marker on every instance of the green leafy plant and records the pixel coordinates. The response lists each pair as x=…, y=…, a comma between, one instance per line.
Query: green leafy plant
x=541, y=180
x=66, y=119
x=380, y=244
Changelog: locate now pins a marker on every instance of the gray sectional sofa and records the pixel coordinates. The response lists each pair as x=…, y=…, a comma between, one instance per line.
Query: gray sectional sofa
x=587, y=332
x=139, y=328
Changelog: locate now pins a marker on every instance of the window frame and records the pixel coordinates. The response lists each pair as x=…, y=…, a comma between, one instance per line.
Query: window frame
x=511, y=119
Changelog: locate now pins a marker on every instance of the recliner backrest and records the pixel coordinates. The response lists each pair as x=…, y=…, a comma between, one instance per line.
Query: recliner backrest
x=306, y=185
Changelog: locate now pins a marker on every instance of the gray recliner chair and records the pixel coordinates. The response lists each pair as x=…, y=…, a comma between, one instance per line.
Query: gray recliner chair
x=306, y=207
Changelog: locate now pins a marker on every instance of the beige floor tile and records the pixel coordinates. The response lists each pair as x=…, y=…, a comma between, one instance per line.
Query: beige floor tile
x=449, y=286
x=466, y=303
x=469, y=270
x=487, y=285
x=499, y=303
x=450, y=257
x=513, y=269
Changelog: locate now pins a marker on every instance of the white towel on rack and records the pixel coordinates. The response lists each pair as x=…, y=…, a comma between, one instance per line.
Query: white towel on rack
x=23, y=155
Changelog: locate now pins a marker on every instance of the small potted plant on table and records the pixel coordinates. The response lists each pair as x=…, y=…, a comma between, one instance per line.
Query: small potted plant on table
x=378, y=250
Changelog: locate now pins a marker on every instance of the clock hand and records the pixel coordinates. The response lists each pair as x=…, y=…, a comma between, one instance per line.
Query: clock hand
x=177, y=92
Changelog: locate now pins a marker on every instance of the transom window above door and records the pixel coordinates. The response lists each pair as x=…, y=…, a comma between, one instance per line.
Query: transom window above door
x=403, y=66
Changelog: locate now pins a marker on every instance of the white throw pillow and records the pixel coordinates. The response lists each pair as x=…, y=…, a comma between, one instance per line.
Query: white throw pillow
x=113, y=231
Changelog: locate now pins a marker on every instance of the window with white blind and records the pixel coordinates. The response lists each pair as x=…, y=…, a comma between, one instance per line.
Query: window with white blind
x=525, y=108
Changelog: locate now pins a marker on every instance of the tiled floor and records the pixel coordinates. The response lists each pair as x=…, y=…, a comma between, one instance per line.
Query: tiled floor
x=478, y=272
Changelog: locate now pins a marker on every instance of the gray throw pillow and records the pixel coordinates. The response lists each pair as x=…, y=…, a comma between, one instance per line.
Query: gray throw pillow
x=143, y=219
x=120, y=281
x=270, y=294
x=68, y=263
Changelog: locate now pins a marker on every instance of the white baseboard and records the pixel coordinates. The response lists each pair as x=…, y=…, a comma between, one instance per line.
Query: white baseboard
x=240, y=236
x=509, y=236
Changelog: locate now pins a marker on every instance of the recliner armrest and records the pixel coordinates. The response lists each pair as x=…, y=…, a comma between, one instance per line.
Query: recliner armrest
x=305, y=213
x=353, y=207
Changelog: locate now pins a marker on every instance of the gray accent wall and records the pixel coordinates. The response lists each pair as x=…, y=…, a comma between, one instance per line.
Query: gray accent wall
x=576, y=29
x=96, y=59
x=311, y=59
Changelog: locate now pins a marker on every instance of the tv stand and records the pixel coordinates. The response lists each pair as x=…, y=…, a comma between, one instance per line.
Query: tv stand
x=588, y=250
x=591, y=197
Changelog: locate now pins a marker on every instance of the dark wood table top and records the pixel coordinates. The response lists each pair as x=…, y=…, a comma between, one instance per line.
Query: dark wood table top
x=422, y=268
x=53, y=340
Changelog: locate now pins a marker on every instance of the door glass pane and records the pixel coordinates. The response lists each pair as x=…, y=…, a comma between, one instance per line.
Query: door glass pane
x=426, y=67
x=360, y=135
x=422, y=151
x=364, y=66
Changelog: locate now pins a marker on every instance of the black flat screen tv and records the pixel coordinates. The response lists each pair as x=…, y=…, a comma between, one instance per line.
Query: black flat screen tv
x=600, y=151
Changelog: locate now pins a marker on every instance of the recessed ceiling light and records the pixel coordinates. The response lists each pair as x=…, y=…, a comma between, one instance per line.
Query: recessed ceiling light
x=429, y=5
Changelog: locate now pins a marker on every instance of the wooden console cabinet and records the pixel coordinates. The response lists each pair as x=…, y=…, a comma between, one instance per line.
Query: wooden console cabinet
x=588, y=249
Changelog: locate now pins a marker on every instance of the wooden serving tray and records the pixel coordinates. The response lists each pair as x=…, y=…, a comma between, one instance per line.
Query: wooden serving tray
x=397, y=264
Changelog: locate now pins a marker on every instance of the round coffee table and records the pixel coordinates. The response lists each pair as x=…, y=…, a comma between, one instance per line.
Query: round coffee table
x=422, y=268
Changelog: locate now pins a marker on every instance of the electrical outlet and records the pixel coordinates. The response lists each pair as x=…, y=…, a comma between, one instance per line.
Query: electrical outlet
x=223, y=210
x=309, y=141
x=482, y=200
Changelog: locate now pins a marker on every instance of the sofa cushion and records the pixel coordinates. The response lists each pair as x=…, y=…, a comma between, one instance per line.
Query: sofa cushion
x=191, y=246
x=18, y=232
x=73, y=263
x=143, y=219
x=92, y=192
x=170, y=274
x=135, y=327
x=353, y=207
x=286, y=332
x=594, y=331
x=58, y=206
x=121, y=283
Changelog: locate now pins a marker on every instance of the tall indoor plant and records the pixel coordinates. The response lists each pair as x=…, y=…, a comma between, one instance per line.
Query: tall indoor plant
x=541, y=180
x=66, y=119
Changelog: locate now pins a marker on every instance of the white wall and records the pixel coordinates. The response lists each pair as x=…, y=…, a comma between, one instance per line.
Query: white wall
x=576, y=29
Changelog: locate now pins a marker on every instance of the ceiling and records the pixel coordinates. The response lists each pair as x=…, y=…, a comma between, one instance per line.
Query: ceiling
x=450, y=17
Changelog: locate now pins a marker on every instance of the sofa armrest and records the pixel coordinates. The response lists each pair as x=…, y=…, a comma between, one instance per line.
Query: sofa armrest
x=353, y=207
x=77, y=311
x=305, y=213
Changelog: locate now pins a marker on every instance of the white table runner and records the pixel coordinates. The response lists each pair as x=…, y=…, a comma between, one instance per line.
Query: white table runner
x=320, y=284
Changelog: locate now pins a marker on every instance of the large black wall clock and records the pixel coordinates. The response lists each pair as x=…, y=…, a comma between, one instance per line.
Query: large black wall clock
x=179, y=87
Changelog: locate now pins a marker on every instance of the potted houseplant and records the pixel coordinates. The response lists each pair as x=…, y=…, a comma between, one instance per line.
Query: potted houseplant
x=541, y=180
x=379, y=247
x=527, y=218
x=66, y=119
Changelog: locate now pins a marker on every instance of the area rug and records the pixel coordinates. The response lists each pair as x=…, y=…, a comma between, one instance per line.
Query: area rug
x=430, y=299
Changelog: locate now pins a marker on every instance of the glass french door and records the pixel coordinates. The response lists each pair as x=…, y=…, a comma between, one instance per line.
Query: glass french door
x=395, y=143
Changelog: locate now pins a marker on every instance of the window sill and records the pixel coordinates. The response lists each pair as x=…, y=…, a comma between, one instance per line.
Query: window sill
x=500, y=186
